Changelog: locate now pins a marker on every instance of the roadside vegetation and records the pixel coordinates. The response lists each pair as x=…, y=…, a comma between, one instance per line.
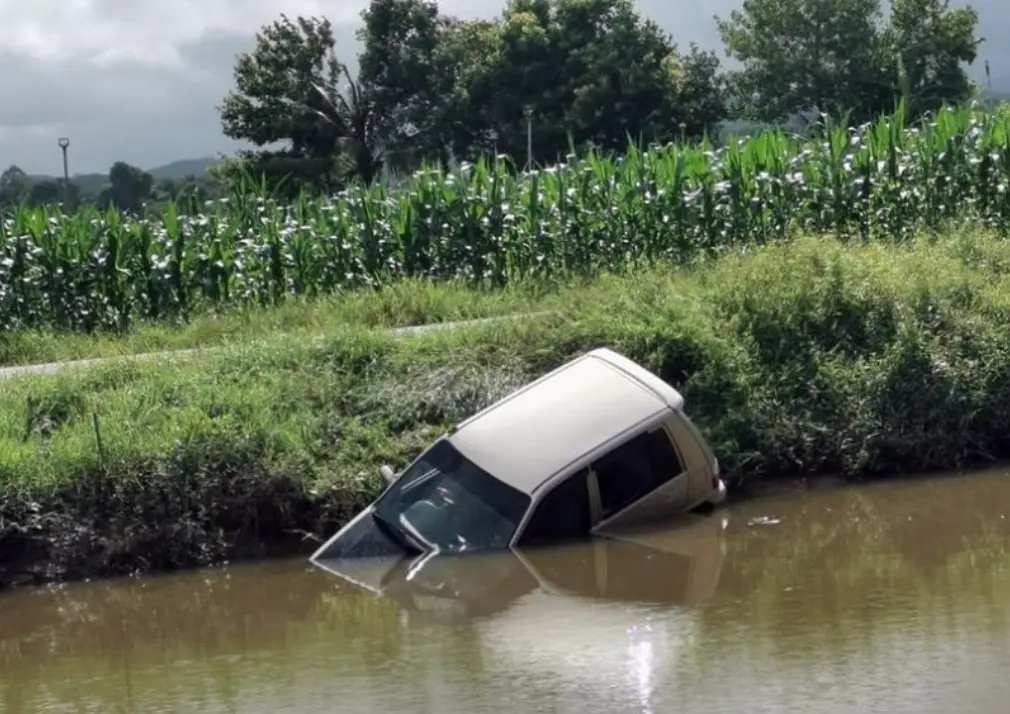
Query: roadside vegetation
x=801, y=358
x=488, y=227
x=404, y=303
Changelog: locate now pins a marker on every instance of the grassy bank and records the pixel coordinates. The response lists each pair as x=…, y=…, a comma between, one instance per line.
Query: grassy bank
x=488, y=226
x=411, y=302
x=808, y=358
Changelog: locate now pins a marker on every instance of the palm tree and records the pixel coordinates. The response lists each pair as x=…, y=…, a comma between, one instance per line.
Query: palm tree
x=355, y=121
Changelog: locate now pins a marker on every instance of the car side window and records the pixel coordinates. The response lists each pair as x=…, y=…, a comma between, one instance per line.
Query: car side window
x=563, y=515
x=634, y=469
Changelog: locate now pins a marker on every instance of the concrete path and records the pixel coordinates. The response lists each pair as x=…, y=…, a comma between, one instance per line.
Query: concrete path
x=57, y=367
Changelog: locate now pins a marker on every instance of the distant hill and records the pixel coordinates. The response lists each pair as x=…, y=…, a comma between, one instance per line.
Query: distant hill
x=92, y=183
x=87, y=183
x=183, y=168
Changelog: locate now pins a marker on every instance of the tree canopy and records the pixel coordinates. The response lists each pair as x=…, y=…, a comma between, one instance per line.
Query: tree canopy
x=429, y=87
x=842, y=56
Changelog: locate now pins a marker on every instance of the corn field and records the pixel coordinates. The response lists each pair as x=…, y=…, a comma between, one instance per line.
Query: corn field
x=486, y=223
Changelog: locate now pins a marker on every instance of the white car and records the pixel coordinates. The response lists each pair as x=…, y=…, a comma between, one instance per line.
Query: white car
x=598, y=443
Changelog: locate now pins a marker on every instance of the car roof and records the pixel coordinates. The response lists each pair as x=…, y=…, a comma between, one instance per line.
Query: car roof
x=533, y=433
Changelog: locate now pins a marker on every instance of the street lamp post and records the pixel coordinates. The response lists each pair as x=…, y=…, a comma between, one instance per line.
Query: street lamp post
x=64, y=143
x=528, y=113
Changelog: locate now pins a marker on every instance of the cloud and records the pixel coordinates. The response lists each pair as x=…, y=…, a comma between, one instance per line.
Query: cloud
x=139, y=80
x=126, y=79
x=141, y=31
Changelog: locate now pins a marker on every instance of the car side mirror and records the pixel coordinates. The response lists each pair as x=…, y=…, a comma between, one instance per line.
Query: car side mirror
x=387, y=474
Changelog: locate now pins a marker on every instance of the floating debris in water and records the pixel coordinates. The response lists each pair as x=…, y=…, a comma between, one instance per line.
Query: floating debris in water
x=763, y=521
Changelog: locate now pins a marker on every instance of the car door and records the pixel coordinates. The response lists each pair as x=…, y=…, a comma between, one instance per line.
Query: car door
x=642, y=480
x=564, y=514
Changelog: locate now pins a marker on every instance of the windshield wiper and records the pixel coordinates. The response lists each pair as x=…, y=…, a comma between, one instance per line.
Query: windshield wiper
x=394, y=533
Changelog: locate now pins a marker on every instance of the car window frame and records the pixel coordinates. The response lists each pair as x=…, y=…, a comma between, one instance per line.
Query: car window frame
x=539, y=501
x=595, y=453
x=378, y=504
x=685, y=471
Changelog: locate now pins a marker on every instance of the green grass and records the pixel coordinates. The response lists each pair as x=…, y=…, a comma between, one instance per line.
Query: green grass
x=411, y=302
x=804, y=358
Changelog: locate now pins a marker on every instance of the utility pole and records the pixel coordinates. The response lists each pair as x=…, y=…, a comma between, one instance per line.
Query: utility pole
x=64, y=143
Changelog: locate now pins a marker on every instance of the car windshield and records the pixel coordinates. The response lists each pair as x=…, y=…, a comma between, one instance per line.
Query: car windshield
x=452, y=504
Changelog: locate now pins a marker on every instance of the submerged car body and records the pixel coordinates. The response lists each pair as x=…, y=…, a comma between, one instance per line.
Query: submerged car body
x=596, y=444
x=679, y=565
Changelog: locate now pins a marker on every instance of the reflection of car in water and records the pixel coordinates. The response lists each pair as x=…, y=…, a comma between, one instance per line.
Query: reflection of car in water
x=597, y=444
x=679, y=565
x=604, y=619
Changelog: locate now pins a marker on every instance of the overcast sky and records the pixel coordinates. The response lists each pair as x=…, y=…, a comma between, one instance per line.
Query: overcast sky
x=139, y=80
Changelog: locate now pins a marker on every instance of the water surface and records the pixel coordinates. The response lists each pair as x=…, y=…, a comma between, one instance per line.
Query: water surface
x=892, y=597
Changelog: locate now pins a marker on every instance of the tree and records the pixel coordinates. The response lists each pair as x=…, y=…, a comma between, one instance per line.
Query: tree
x=275, y=85
x=934, y=44
x=128, y=189
x=399, y=65
x=801, y=55
x=14, y=186
x=360, y=128
x=459, y=117
x=164, y=189
x=698, y=101
x=283, y=174
x=838, y=56
x=592, y=71
x=50, y=192
x=288, y=92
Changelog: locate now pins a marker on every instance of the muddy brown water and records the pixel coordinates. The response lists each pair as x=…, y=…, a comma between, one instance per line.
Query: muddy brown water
x=892, y=597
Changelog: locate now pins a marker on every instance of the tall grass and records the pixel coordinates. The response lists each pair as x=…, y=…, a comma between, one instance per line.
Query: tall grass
x=487, y=224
